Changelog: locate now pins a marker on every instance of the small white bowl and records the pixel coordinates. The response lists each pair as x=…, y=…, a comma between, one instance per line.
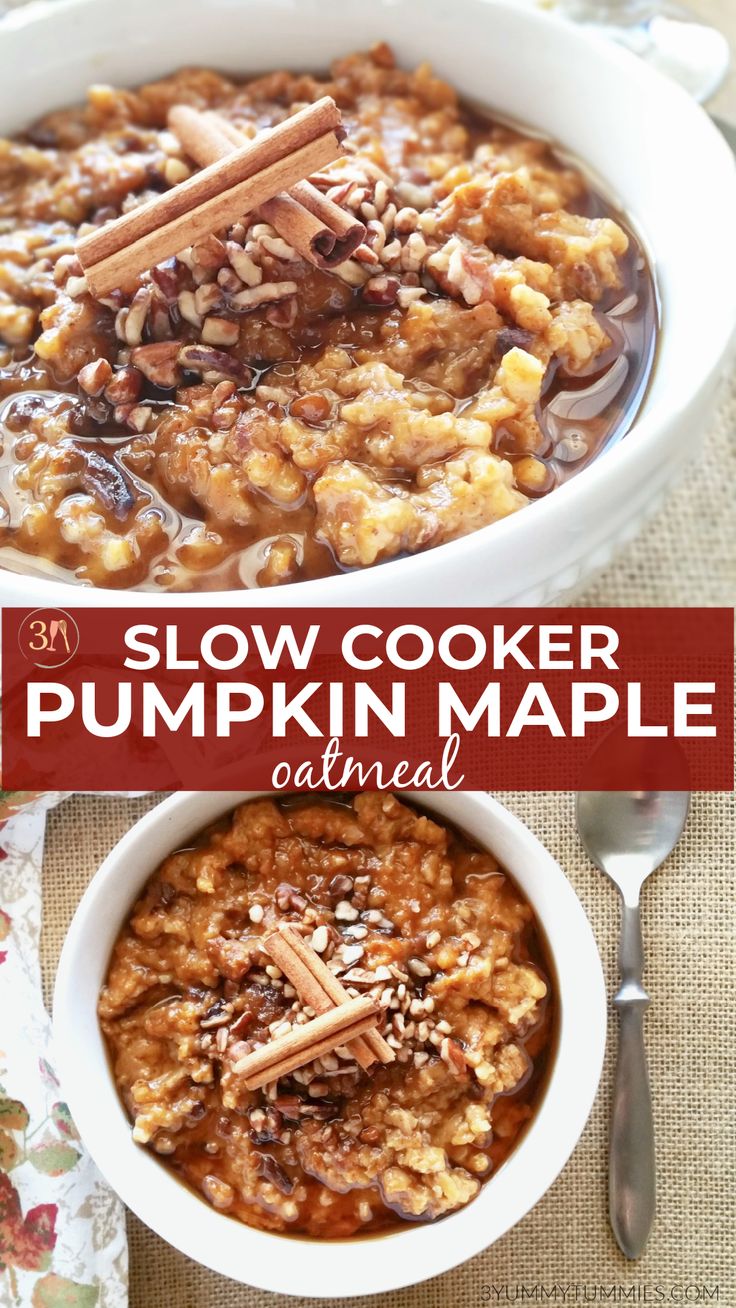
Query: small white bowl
x=325, y=1269
x=662, y=159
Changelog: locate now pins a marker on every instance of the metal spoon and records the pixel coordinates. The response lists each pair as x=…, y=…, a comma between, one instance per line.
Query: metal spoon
x=628, y=835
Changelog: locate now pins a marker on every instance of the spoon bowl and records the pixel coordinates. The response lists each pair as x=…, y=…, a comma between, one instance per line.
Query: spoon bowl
x=629, y=834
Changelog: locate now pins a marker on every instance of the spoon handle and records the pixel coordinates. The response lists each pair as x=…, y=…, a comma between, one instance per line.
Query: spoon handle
x=631, y=1184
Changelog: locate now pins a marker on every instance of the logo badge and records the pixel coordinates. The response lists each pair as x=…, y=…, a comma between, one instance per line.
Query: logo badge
x=48, y=638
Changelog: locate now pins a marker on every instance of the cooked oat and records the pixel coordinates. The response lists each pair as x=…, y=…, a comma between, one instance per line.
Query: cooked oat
x=449, y=949
x=244, y=419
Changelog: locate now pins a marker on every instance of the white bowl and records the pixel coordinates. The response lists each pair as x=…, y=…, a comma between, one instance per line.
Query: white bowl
x=663, y=162
x=347, y=1267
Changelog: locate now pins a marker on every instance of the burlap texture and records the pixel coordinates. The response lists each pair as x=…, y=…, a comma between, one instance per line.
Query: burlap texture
x=686, y=556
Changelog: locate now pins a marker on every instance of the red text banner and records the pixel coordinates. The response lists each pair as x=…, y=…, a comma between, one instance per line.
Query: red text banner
x=536, y=699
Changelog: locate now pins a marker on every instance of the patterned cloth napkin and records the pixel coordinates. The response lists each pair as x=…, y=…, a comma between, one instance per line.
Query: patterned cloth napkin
x=62, y=1230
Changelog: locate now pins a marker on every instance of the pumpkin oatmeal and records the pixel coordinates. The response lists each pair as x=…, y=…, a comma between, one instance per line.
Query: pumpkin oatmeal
x=400, y=909
x=242, y=418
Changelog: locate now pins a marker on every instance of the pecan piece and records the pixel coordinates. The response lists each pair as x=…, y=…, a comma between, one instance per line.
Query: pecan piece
x=282, y=314
x=321, y=1110
x=214, y=365
x=228, y=281
x=125, y=386
x=269, y=1130
x=159, y=320
x=273, y=1172
x=105, y=480
x=166, y=277
x=241, y=1024
x=370, y=1135
x=158, y=363
x=288, y=898
x=289, y=1106
x=360, y=976
x=210, y=253
x=509, y=338
x=452, y=1054
x=266, y=293
x=381, y=290
x=207, y=298
x=138, y=416
x=94, y=377
x=219, y=331
x=341, y=884
x=216, y=1015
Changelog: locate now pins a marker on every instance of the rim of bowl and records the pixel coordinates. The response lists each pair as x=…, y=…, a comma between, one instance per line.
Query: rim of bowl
x=613, y=467
x=350, y=1267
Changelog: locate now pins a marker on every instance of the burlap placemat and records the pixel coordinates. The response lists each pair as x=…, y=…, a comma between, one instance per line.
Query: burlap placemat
x=691, y=1035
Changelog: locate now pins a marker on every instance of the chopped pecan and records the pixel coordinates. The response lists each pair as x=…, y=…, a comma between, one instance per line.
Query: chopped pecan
x=267, y=1127
x=138, y=417
x=125, y=386
x=370, y=1135
x=509, y=338
x=218, y=1192
x=381, y=290
x=360, y=976
x=207, y=298
x=340, y=886
x=159, y=320
x=166, y=278
x=94, y=377
x=288, y=898
x=134, y=319
x=282, y=314
x=228, y=281
x=241, y=1024
x=216, y=1015
x=105, y=480
x=219, y=331
x=159, y=363
x=214, y=365
x=210, y=253
x=266, y=293
x=289, y=1106
x=273, y=1172
x=320, y=1109
x=453, y=1056
x=223, y=392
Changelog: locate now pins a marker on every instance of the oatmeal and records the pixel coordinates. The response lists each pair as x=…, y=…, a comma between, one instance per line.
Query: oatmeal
x=400, y=909
x=242, y=418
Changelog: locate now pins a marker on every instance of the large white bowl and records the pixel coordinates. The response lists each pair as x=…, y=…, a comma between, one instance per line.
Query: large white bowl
x=347, y=1267
x=662, y=160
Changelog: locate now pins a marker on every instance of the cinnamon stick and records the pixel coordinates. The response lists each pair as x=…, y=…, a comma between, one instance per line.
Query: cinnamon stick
x=207, y=137
x=343, y=232
x=318, y=987
x=251, y=157
x=306, y=1042
x=216, y=197
x=309, y=988
x=317, y=228
x=349, y=233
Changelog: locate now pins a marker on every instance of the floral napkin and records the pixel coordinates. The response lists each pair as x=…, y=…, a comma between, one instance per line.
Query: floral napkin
x=62, y=1230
